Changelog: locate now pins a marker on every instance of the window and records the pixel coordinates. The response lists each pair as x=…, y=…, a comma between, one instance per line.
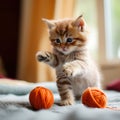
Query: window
x=114, y=11
x=103, y=18
x=88, y=9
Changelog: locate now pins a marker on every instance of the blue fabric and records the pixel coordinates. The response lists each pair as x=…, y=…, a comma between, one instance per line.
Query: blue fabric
x=13, y=106
x=25, y=89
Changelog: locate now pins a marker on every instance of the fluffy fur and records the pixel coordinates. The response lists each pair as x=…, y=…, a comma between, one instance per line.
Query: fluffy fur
x=75, y=70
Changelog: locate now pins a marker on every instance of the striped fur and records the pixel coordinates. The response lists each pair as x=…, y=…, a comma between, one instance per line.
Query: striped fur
x=75, y=70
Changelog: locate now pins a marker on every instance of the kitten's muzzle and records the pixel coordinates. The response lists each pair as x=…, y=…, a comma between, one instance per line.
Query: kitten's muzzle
x=63, y=47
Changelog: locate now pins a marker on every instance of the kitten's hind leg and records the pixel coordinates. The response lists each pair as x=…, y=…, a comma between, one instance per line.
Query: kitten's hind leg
x=65, y=91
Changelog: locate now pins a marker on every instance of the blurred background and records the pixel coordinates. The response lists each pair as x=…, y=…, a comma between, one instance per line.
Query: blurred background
x=22, y=34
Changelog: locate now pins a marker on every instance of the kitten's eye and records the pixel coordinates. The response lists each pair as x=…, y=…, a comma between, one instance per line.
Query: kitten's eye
x=69, y=40
x=57, y=41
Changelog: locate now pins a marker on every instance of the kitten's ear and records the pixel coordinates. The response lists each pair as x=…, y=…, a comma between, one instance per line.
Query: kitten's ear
x=49, y=23
x=80, y=23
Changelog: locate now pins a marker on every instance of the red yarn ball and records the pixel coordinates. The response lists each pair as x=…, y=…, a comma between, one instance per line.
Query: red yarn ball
x=94, y=97
x=41, y=98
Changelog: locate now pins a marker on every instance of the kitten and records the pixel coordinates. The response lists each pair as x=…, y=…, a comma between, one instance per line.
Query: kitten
x=75, y=70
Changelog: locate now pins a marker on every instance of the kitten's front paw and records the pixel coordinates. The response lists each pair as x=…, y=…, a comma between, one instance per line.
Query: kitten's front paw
x=43, y=56
x=67, y=70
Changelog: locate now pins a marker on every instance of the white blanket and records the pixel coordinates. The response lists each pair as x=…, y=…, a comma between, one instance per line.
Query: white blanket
x=17, y=107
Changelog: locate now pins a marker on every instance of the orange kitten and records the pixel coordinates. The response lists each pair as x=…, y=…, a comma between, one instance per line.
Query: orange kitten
x=75, y=70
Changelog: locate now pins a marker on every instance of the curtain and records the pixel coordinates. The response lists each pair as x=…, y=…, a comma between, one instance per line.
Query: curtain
x=34, y=36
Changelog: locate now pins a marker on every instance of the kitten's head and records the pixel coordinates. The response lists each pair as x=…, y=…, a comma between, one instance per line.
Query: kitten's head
x=67, y=35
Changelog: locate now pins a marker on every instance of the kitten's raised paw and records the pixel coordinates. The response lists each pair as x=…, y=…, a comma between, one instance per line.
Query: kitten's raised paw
x=43, y=56
x=67, y=70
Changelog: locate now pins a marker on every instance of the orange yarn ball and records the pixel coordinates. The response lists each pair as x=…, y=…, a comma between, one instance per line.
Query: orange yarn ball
x=94, y=97
x=41, y=98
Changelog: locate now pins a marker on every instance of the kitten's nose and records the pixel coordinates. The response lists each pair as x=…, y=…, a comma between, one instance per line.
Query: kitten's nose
x=63, y=46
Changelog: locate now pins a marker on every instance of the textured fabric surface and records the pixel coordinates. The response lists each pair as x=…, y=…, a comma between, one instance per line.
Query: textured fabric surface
x=14, y=107
x=24, y=88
